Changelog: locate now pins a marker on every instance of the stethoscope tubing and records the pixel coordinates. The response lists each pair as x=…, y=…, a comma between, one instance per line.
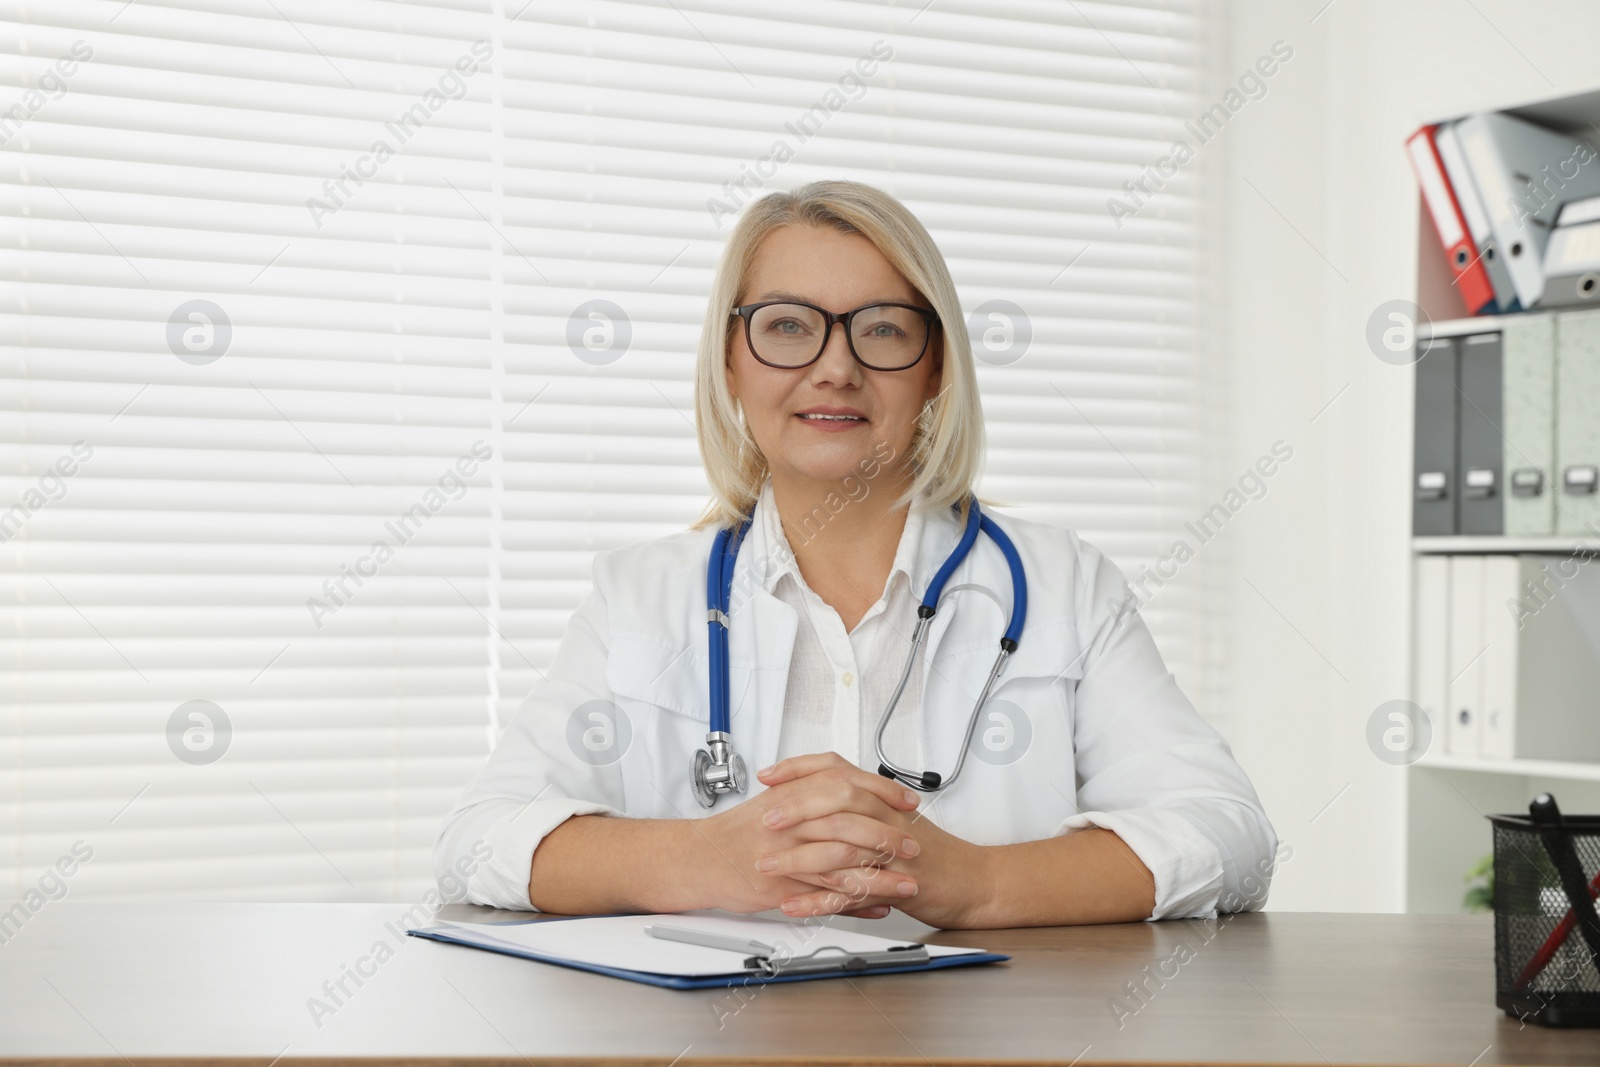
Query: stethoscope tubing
x=929, y=781
x=719, y=596
x=719, y=588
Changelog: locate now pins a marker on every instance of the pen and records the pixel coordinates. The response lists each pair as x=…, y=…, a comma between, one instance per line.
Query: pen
x=705, y=940
x=1547, y=951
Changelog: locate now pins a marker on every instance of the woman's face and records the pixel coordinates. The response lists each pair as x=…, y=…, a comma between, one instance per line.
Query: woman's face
x=838, y=272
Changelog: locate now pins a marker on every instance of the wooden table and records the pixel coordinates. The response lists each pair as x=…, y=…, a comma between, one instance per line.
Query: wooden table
x=112, y=983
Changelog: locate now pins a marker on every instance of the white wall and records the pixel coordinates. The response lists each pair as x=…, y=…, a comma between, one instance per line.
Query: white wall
x=1313, y=184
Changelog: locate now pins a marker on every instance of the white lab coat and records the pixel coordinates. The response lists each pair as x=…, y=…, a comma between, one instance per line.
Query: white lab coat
x=1112, y=740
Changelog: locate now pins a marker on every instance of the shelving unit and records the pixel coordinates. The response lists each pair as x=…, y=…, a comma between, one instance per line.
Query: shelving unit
x=1447, y=800
x=1458, y=327
x=1554, y=545
x=1526, y=768
x=1447, y=797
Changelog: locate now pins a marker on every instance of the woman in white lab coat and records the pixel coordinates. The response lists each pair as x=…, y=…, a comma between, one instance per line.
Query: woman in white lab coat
x=1092, y=791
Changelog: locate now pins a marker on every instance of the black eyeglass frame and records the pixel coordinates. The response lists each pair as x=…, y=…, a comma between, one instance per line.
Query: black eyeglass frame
x=846, y=318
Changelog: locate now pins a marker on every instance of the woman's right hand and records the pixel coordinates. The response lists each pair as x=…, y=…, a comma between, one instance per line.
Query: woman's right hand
x=861, y=833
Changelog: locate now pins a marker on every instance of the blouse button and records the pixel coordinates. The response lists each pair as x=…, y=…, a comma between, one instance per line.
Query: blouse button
x=848, y=679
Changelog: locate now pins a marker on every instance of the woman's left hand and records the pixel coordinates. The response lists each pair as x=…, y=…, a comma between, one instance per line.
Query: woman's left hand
x=949, y=871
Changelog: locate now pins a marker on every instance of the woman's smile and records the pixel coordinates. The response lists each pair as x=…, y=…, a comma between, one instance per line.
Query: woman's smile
x=832, y=419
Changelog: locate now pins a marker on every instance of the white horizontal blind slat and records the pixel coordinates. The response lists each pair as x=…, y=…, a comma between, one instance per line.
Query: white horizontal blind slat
x=383, y=329
x=1007, y=153
x=222, y=501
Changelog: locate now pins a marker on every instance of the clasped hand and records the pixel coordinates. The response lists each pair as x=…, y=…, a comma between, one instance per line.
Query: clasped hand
x=827, y=837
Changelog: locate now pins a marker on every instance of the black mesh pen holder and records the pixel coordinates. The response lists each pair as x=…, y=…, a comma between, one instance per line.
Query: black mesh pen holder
x=1546, y=931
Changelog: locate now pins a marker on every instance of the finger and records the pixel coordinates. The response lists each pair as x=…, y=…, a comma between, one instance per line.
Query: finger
x=863, y=882
x=841, y=881
x=831, y=880
x=886, y=840
x=800, y=766
x=834, y=790
x=855, y=897
x=820, y=857
x=805, y=883
x=832, y=767
x=828, y=902
x=877, y=911
x=835, y=767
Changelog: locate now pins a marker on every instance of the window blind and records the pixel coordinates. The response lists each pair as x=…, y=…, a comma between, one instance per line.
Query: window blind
x=340, y=334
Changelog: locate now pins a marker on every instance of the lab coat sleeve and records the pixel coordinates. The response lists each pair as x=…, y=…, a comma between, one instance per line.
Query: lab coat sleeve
x=534, y=780
x=1155, y=773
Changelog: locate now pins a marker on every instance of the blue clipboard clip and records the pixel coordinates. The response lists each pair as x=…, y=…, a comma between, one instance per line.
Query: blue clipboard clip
x=844, y=962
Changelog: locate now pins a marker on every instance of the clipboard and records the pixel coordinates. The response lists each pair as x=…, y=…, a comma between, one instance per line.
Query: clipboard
x=817, y=957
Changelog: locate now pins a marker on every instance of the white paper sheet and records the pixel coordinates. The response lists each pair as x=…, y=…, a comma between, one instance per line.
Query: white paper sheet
x=620, y=941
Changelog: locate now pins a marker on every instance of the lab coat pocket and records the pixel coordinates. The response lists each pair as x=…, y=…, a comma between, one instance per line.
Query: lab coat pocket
x=1031, y=697
x=648, y=677
x=1020, y=760
x=659, y=690
x=1052, y=652
x=1040, y=677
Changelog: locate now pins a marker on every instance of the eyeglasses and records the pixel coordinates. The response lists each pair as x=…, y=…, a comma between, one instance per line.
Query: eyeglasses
x=789, y=335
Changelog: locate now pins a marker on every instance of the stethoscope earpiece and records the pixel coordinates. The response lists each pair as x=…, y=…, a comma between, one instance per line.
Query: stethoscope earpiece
x=928, y=782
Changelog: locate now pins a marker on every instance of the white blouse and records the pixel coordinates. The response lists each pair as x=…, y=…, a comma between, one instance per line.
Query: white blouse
x=840, y=683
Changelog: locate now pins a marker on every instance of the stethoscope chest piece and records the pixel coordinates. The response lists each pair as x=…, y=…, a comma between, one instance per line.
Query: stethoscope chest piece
x=717, y=771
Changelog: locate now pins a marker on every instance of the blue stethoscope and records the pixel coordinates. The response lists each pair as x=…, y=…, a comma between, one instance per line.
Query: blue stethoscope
x=718, y=769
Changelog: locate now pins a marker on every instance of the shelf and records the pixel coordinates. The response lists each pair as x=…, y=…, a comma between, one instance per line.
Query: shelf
x=1489, y=323
x=1572, y=114
x=1498, y=544
x=1532, y=768
x=1476, y=324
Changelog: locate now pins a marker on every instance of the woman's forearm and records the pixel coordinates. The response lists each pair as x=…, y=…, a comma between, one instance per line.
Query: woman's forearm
x=1090, y=876
x=594, y=864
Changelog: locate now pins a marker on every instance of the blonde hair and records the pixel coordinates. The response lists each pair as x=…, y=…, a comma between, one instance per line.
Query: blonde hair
x=947, y=445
